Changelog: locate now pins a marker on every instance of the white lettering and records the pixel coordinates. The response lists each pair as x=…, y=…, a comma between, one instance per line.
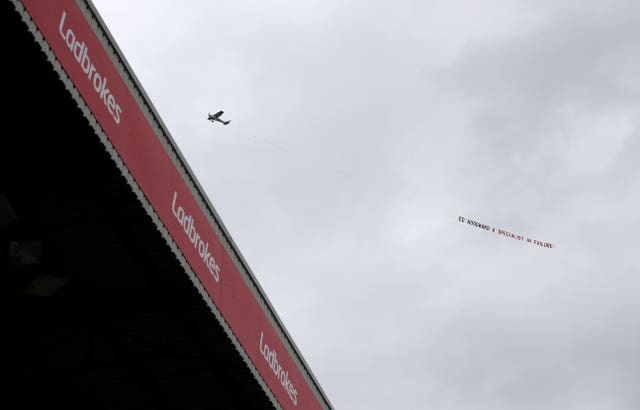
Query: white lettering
x=80, y=52
x=271, y=357
x=202, y=247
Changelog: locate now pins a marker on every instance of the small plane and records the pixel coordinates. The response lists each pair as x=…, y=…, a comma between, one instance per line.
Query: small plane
x=216, y=117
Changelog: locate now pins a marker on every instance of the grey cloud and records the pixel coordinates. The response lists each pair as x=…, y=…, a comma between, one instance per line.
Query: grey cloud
x=361, y=132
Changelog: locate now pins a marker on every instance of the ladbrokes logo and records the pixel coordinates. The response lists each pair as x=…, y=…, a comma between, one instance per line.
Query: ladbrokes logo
x=188, y=225
x=271, y=357
x=81, y=53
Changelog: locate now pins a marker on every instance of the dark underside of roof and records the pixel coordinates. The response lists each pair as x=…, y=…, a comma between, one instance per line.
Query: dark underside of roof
x=97, y=312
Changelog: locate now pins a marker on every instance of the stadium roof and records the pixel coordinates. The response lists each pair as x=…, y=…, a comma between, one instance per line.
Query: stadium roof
x=121, y=287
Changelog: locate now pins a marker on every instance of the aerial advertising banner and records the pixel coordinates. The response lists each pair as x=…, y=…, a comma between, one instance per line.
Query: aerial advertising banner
x=505, y=233
x=86, y=62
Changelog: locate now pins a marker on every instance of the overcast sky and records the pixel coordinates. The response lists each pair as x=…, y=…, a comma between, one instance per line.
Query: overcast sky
x=361, y=130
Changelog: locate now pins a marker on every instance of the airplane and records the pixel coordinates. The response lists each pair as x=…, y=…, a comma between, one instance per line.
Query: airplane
x=216, y=117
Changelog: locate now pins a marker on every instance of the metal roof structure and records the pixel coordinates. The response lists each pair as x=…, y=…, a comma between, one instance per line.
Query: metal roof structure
x=121, y=287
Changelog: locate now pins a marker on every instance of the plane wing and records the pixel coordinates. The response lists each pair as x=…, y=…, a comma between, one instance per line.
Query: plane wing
x=219, y=113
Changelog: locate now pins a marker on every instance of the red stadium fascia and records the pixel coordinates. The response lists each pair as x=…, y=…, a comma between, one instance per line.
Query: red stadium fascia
x=173, y=195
